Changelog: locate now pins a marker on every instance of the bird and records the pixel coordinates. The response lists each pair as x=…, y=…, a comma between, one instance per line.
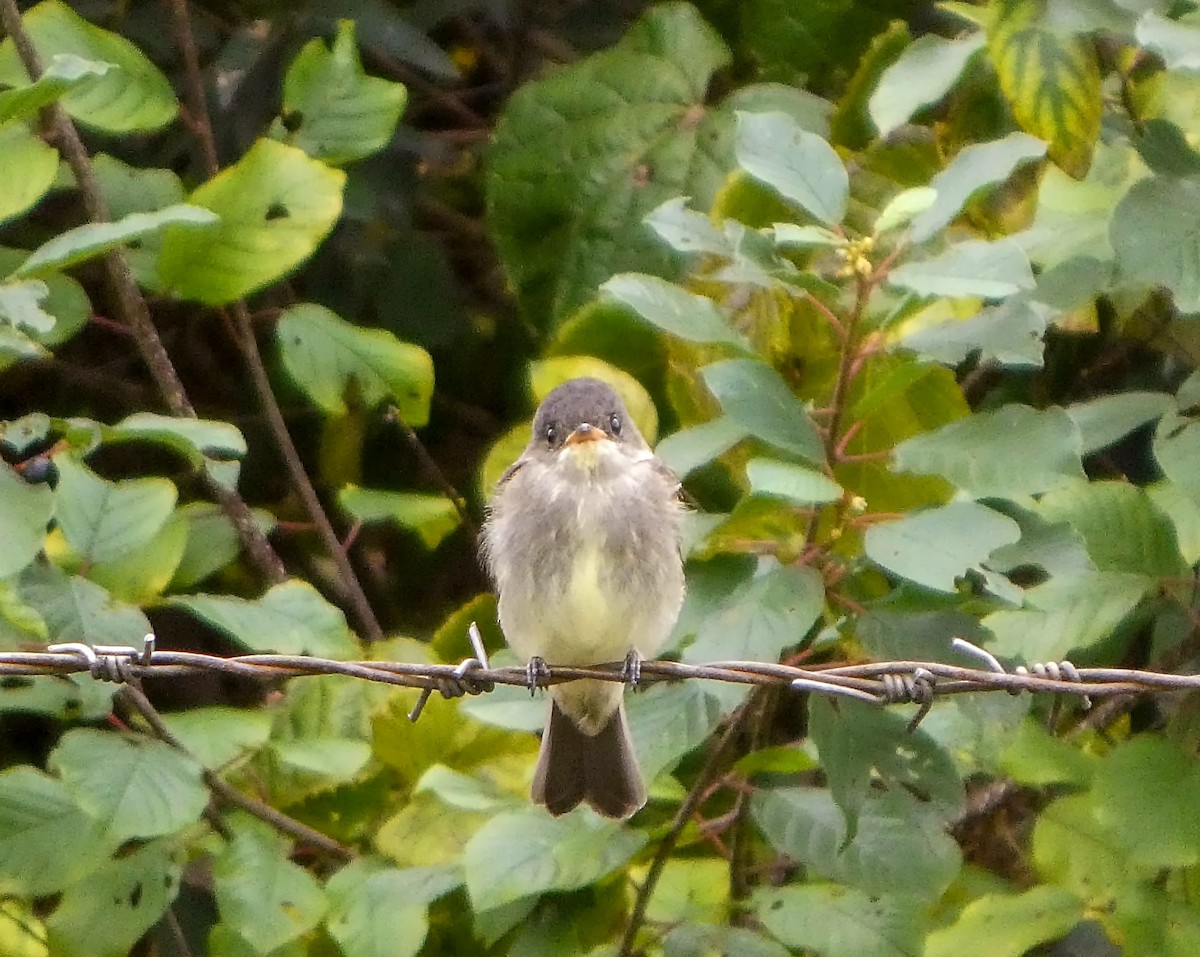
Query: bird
x=582, y=541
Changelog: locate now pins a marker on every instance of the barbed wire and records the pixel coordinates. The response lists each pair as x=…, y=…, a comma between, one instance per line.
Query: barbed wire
x=881, y=683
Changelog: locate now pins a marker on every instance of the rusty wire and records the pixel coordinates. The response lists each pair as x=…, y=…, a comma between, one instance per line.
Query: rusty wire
x=887, y=682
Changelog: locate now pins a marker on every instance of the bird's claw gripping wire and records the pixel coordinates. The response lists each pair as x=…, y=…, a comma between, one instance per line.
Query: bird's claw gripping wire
x=461, y=681
x=631, y=670
x=536, y=673
x=916, y=687
x=108, y=662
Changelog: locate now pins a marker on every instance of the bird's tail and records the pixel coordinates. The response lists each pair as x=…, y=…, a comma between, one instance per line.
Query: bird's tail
x=599, y=769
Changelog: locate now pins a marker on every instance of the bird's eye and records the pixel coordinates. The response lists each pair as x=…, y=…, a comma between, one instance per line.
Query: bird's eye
x=614, y=424
x=551, y=434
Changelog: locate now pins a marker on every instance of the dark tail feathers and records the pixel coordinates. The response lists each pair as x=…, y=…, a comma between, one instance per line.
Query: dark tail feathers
x=600, y=769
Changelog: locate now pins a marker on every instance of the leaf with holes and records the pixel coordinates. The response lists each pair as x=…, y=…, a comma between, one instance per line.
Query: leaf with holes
x=276, y=205
x=837, y=921
x=331, y=109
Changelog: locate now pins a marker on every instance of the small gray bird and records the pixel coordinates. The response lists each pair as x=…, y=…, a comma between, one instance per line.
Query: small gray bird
x=583, y=542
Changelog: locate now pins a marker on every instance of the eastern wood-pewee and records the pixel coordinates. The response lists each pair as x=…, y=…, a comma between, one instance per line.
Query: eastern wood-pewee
x=583, y=542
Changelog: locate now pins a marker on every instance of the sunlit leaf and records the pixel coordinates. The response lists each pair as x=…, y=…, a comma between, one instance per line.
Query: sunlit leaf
x=432, y=517
x=922, y=75
x=1008, y=925
x=838, y=921
x=974, y=267
x=62, y=73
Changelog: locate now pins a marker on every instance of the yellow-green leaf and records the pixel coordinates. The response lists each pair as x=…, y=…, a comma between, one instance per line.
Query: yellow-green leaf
x=1051, y=80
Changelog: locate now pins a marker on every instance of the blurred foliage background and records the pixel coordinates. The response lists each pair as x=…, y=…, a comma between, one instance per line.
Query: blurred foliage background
x=905, y=292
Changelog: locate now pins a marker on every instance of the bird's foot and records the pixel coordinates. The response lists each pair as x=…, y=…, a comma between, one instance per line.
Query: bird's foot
x=631, y=670
x=536, y=673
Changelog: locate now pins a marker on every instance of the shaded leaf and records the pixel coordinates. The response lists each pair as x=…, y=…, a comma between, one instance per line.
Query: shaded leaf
x=291, y=618
x=522, y=853
x=801, y=166
x=381, y=911
x=792, y=482
x=1009, y=333
x=837, y=921
x=976, y=453
x=331, y=360
x=25, y=511
x=935, y=548
x=667, y=722
x=686, y=230
x=216, y=735
x=1008, y=925
x=974, y=267
x=688, y=449
x=921, y=75
x=672, y=308
x=1154, y=235
x=753, y=396
x=975, y=167
x=1106, y=420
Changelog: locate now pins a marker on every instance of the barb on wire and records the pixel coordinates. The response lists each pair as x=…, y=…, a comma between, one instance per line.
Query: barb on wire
x=879, y=683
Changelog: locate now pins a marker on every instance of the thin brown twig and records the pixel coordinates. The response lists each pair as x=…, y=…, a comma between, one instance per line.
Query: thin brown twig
x=198, y=101
x=430, y=465
x=712, y=767
x=226, y=792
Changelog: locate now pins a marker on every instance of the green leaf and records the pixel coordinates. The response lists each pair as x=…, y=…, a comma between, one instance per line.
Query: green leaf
x=689, y=449
x=79, y=610
x=217, y=735
x=331, y=109
x=976, y=453
x=753, y=396
x=133, y=98
x=905, y=206
x=801, y=166
x=337, y=759
x=20, y=305
x=901, y=847
x=1145, y=794
x=1177, y=451
x=522, y=853
x=837, y=921
x=1071, y=848
x=673, y=309
x=1066, y=615
x=1008, y=925
x=66, y=302
x=862, y=746
x=46, y=840
x=1105, y=421
x=64, y=72
x=261, y=895
x=30, y=165
x=1009, y=333
x=104, y=521
x=275, y=204
x=974, y=267
x=1153, y=231
x=1177, y=43
x=974, y=168
x=432, y=517
x=25, y=511
x=687, y=230
x=95, y=239
x=108, y=912
x=381, y=911
x=794, y=483
x=1051, y=80
x=197, y=440
x=794, y=236
x=332, y=361
x=669, y=721
x=581, y=157
x=935, y=548
x=291, y=618
x=690, y=889
x=135, y=787
x=767, y=614
x=1034, y=757
x=702, y=940
x=1154, y=923
x=921, y=75
x=1123, y=530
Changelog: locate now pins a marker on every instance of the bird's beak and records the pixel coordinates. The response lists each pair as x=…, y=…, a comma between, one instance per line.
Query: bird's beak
x=586, y=434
